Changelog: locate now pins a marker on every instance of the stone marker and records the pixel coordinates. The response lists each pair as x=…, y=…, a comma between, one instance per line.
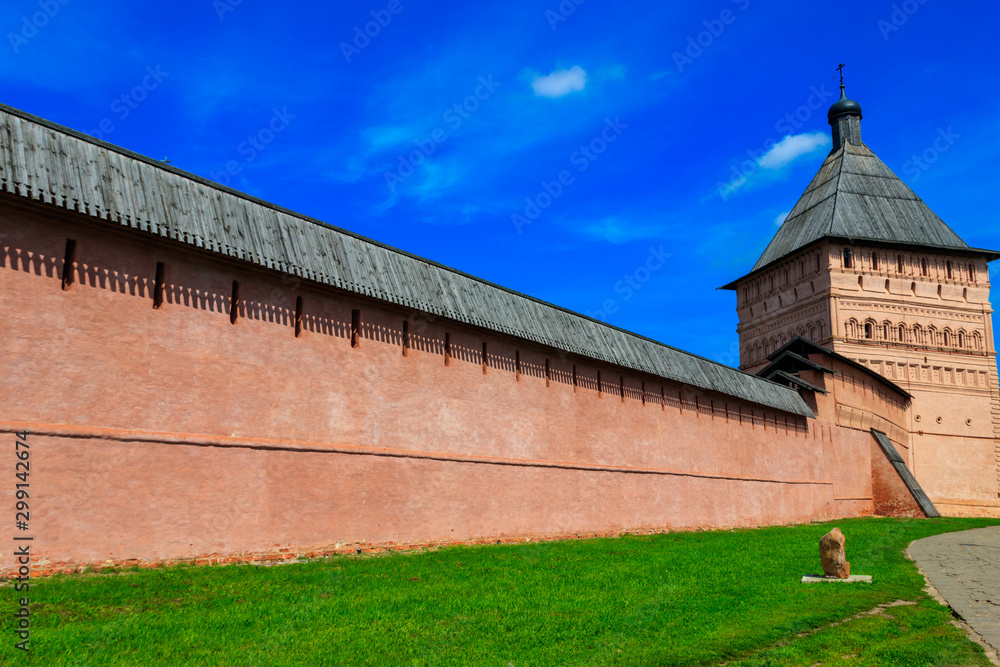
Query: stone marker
x=853, y=579
x=832, y=555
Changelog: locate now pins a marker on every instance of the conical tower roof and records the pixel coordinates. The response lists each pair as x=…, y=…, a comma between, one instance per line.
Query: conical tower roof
x=856, y=197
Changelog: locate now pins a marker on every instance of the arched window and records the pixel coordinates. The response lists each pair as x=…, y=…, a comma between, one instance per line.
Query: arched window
x=923, y=266
x=869, y=330
x=972, y=273
x=852, y=328
x=885, y=331
x=899, y=263
x=977, y=341
x=947, y=338
x=932, y=336
x=948, y=269
x=772, y=283
x=902, y=333
x=961, y=339
x=874, y=262
x=787, y=281
x=848, y=259
x=918, y=334
x=819, y=330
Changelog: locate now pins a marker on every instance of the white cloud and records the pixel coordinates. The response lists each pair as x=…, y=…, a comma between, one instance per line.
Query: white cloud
x=780, y=220
x=793, y=147
x=618, y=231
x=561, y=82
x=767, y=166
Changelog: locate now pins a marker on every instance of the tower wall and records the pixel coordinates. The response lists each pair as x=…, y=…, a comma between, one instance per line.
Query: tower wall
x=921, y=319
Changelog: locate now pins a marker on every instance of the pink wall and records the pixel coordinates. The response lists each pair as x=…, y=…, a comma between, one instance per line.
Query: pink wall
x=172, y=433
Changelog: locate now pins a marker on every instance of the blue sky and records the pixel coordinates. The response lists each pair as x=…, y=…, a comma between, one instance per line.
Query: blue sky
x=651, y=146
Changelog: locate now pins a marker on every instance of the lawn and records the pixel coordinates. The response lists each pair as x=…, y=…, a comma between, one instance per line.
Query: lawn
x=697, y=598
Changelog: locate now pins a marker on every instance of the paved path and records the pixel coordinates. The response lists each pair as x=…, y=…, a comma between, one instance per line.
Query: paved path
x=965, y=569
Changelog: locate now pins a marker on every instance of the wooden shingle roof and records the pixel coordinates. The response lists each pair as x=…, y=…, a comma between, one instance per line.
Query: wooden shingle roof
x=59, y=167
x=856, y=196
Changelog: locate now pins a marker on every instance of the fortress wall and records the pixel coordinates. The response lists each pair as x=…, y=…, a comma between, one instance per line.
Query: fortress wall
x=172, y=433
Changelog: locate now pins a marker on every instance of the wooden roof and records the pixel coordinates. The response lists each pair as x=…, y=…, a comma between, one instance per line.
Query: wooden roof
x=792, y=354
x=57, y=166
x=856, y=196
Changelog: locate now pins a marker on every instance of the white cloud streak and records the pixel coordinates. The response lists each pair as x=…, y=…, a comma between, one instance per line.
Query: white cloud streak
x=791, y=148
x=560, y=83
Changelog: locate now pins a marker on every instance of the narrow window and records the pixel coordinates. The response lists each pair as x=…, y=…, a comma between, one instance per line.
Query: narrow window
x=234, y=303
x=355, y=327
x=406, y=338
x=923, y=267
x=447, y=355
x=874, y=262
x=517, y=365
x=548, y=375
x=961, y=339
x=947, y=339
x=663, y=399
x=574, y=374
x=869, y=331
x=68, y=262
x=902, y=334
x=600, y=389
x=621, y=386
x=885, y=331
x=899, y=263
x=486, y=362
x=948, y=269
x=848, y=259
x=298, y=317
x=158, y=286
x=643, y=389
x=972, y=273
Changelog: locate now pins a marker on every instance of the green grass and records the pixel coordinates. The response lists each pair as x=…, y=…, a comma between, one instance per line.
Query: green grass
x=675, y=599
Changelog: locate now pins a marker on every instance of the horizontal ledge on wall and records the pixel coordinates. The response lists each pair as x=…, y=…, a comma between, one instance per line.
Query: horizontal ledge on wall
x=204, y=440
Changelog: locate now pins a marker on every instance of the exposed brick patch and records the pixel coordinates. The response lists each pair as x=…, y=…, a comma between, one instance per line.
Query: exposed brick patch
x=40, y=567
